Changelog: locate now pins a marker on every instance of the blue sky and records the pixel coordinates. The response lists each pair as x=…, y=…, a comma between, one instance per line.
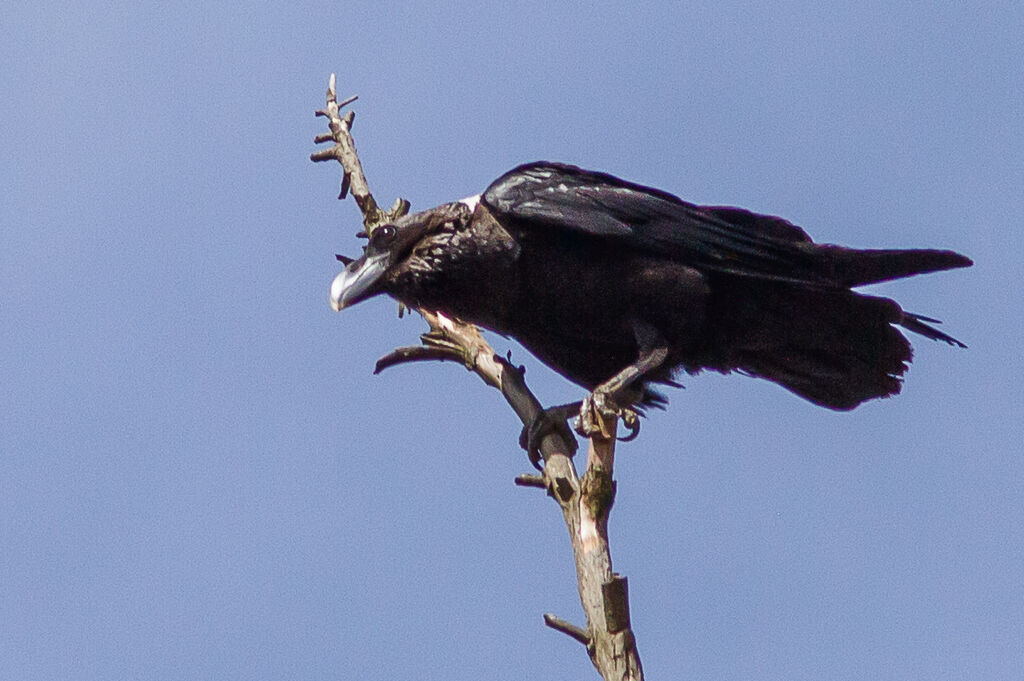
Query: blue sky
x=201, y=479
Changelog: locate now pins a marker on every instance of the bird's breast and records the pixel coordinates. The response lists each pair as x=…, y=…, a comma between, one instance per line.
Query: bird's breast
x=466, y=272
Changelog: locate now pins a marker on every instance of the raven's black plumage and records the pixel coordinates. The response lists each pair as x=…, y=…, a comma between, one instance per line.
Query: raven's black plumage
x=595, y=275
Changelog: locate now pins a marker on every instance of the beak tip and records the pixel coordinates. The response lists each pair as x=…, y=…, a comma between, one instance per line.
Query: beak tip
x=337, y=293
x=358, y=281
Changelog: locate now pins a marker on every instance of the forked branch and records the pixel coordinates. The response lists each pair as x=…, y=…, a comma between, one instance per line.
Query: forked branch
x=584, y=502
x=344, y=152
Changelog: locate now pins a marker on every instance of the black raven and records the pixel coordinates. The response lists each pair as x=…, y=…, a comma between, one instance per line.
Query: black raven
x=615, y=285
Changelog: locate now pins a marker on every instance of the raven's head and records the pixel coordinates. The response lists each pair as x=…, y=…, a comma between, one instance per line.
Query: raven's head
x=389, y=246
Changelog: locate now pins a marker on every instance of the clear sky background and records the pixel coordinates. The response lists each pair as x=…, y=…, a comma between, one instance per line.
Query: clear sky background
x=201, y=479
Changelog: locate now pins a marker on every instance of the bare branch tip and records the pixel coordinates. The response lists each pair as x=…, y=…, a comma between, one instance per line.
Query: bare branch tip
x=567, y=628
x=530, y=480
x=399, y=208
x=415, y=353
x=323, y=155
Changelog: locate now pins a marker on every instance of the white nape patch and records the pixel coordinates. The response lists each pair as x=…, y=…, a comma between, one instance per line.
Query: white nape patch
x=470, y=202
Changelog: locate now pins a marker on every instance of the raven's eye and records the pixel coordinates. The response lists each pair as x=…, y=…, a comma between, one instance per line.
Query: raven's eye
x=383, y=235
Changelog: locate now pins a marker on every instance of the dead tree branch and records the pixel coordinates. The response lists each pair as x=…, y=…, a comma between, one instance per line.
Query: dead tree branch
x=585, y=502
x=344, y=152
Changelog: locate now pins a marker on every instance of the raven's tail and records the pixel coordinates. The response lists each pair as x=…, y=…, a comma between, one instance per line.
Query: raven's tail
x=853, y=267
x=835, y=348
x=916, y=323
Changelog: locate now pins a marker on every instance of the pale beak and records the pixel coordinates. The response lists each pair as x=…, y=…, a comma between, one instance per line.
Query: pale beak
x=358, y=280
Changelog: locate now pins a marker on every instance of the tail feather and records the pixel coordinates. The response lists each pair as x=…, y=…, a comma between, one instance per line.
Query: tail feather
x=854, y=267
x=836, y=348
x=916, y=323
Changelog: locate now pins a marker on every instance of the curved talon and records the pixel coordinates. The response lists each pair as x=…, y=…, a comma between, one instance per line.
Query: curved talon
x=528, y=441
x=633, y=424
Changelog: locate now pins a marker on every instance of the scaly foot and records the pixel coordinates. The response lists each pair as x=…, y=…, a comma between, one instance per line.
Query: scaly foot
x=598, y=413
x=552, y=420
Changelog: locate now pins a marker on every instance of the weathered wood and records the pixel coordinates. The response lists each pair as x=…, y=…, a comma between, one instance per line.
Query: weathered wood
x=344, y=152
x=585, y=502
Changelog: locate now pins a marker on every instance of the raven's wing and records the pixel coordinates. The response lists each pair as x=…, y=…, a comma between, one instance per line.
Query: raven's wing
x=544, y=195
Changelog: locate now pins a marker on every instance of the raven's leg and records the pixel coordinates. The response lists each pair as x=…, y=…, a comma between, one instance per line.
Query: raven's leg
x=606, y=400
x=613, y=397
